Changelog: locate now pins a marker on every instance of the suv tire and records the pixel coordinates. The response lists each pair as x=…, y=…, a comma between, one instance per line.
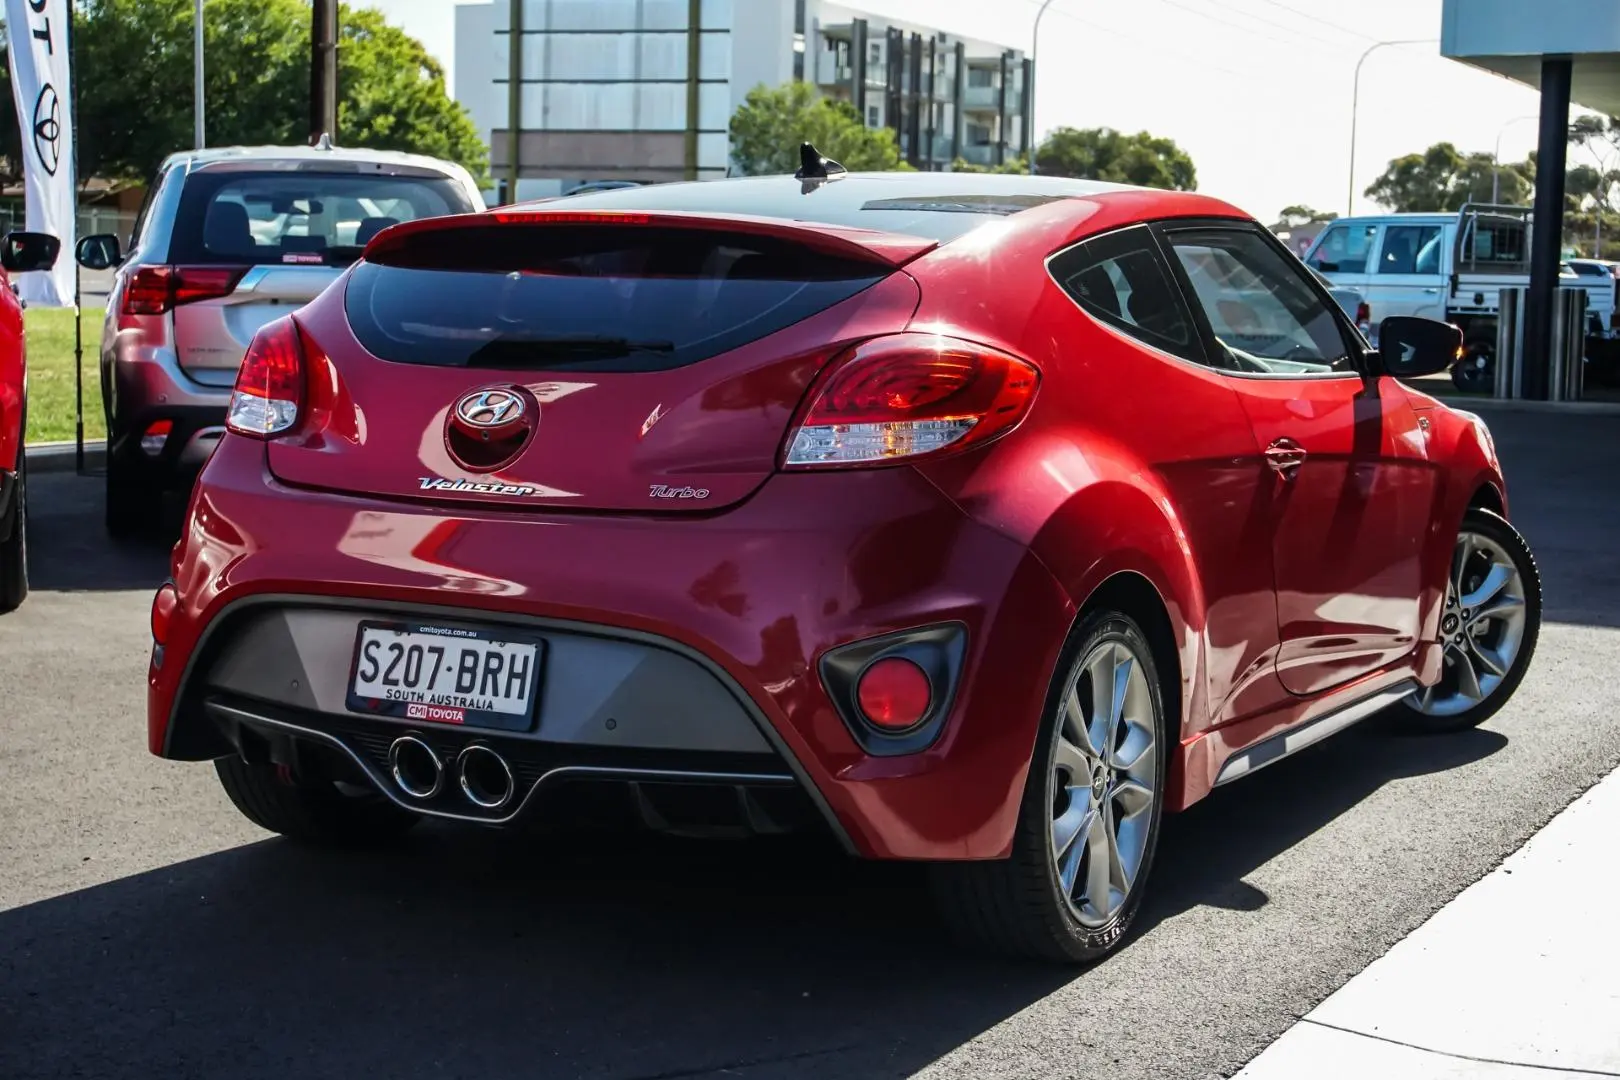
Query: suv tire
x=14, y=546
x=132, y=502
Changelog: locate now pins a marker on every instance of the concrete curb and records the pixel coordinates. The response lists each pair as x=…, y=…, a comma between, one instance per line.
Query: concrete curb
x=59, y=457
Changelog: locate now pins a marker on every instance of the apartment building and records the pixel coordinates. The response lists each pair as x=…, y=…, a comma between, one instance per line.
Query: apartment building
x=645, y=89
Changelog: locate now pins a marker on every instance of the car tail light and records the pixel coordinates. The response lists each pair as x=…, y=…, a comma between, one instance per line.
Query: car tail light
x=163, y=605
x=907, y=395
x=894, y=694
x=1363, y=314
x=270, y=385
x=156, y=290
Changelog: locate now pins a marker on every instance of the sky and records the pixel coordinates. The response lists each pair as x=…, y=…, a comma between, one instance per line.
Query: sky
x=1257, y=91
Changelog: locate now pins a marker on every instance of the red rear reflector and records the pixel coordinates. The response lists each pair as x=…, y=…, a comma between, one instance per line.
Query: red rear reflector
x=270, y=385
x=894, y=694
x=907, y=395
x=163, y=605
x=156, y=436
x=155, y=290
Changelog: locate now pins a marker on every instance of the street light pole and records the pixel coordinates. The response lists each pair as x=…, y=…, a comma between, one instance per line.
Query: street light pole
x=1355, y=108
x=1496, y=159
x=197, y=50
x=1034, y=72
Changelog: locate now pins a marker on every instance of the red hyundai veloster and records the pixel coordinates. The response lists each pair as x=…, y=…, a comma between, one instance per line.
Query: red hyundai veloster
x=978, y=520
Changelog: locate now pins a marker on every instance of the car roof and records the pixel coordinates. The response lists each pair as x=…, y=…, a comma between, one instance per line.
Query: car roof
x=310, y=157
x=939, y=206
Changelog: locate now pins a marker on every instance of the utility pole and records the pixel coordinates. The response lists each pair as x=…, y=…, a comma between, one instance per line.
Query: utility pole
x=197, y=105
x=323, y=70
x=514, y=102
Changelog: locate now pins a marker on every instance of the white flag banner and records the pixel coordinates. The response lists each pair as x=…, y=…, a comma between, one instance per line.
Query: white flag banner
x=41, y=83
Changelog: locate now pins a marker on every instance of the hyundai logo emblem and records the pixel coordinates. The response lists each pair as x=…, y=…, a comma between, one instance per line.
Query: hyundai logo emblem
x=490, y=408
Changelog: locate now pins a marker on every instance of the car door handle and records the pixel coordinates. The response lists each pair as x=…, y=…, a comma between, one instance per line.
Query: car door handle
x=1431, y=292
x=1285, y=456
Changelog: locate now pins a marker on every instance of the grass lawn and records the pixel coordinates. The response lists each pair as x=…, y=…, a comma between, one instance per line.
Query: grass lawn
x=50, y=374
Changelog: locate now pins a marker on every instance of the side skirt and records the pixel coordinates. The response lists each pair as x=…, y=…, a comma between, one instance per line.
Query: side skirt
x=1254, y=758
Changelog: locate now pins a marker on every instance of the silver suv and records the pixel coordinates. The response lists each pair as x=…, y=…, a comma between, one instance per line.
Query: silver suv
x=226, y=241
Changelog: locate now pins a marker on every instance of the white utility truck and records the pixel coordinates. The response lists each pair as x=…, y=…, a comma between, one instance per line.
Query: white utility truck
x=1450, y=267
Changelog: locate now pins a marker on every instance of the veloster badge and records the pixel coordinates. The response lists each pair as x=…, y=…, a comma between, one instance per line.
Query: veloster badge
x=472, y=487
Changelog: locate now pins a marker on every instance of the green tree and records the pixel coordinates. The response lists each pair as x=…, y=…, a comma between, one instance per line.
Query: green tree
x=771, y=124
x=1298, y=216
x=1011, y=167
x=134, y=71
x=1105, y=154
x=392, y=95
x=1443, y=178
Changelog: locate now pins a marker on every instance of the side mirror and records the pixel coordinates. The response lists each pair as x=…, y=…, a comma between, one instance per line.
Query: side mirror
x=1408, y=347
x=99, y=252
x=21, y=252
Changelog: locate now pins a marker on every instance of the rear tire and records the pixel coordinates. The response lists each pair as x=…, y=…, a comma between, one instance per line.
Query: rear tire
x=1491, y=623
x=14, y=548
x=1050, y=900
x=312, y=812
x=133, y=503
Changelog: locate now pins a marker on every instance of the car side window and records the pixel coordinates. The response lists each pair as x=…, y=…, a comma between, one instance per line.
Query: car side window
x=1265, y=317
x=1121, y=279
x=1344, y=249
x=1410, y=249
x=146, y=209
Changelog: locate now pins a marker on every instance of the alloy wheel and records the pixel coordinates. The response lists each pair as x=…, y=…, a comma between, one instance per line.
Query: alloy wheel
x=1102, y=782
x=1482, y=626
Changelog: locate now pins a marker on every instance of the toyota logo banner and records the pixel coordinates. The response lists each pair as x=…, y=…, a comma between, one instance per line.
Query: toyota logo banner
x=37, y=32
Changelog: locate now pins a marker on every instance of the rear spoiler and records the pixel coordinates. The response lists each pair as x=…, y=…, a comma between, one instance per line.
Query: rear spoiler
x=890, y=250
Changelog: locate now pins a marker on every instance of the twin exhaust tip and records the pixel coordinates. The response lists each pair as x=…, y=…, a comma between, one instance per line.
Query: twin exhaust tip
x=484, y=776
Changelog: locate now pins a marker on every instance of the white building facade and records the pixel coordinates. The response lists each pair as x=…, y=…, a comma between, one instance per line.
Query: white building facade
x=645, y=89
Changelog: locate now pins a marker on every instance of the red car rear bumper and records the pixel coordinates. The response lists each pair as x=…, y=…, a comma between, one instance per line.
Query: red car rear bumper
x=761, y=593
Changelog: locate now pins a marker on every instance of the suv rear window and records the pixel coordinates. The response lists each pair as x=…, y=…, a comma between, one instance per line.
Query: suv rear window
x=602, y=298
x=288, y=216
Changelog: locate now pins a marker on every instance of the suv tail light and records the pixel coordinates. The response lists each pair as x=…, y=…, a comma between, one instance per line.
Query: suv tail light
x=156, y=290
x=1363, y=314
x=270, y=385
x=907, y=395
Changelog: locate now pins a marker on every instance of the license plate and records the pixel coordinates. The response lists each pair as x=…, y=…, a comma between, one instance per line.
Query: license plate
x=446, y=675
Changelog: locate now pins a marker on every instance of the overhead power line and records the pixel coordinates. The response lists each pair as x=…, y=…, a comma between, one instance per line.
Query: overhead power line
x=1291, y=43
x=1222, y=4
x=1159, y=49
x=1318, y=19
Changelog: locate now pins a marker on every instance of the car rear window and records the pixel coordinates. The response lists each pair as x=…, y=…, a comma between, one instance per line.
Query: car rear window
x=239, y=217
x=600, y=298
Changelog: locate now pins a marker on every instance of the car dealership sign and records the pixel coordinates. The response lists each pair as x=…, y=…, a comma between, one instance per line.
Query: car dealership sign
x=41, y=83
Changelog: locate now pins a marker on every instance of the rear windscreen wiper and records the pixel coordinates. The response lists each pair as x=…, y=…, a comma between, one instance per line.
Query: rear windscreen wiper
x=519, y=348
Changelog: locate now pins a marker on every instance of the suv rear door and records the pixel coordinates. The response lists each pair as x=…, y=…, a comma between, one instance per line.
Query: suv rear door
x=255, y=240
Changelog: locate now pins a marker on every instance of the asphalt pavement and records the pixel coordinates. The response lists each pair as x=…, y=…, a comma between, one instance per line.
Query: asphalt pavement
x=146, y=930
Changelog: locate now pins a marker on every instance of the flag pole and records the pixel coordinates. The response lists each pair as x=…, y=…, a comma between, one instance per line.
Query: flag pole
x=78, y=310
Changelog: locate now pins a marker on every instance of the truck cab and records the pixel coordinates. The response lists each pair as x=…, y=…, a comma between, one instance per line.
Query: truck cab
x=1447, y=266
